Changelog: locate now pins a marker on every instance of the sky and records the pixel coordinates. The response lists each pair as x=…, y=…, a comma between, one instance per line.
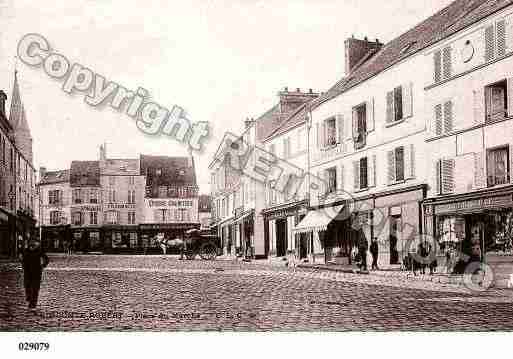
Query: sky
x=222, y=61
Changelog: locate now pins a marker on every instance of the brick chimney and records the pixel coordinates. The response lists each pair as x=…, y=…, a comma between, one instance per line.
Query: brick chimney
x=3, y=98
x=290, y=101
x=42, y=173
x=356, y=49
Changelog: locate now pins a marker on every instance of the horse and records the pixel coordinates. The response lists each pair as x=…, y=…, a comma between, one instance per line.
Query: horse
x=165, y=243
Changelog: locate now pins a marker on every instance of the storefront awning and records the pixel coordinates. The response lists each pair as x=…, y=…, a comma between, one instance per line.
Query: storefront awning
x=317, y=220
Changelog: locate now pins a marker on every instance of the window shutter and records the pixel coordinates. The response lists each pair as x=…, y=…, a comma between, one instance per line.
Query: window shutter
x=479, y=172
x=489, y=43
x=479, y=105
x=447, y=62
x=448, y=117
x=437, y=59
x=407, y=100
x=510, y=97
x=438, y=174
x=390, y=107
x=318, y=134
x=323, y=134
x=355, y=124
x=409, y=161
x=370, y=115
x=371, y=173
x=340, y=129
x=438, y=120
x=391, y=167
x=448, y=166
x=356, y=175
x=501, y=37
x=341, y=182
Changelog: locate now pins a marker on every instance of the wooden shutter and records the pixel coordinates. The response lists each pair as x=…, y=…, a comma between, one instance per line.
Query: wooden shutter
x=391, y=167
x=479, y=105
x=371, y=173
x=438, y=120
x=407, y=100
x=479, y=171
x=501, y=37
x=437, y=60
x=447, y=62
x=448, y=166
x=323, y=134
x=355, y=124
x=438, y=174
x=356, y=175
x=448, y=117
x=369, y=110
x=409, y=161
x=489, y=43
x=318, y=134
x=390, y=107
x=340, y=129
x=510, y=97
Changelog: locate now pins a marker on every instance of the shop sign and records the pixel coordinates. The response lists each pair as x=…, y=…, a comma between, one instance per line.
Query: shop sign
x=163, y=226
x=170, y=203
x=86, y=208
x=475, y=204
x=120, y=206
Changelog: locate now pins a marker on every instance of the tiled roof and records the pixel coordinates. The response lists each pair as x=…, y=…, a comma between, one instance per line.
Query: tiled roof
x=204, y=203
x=85, y=173
x=127, y=166
x=296, y=118
x=268, y=122
x=55, y=177
x=455, y=17
x=174, y=170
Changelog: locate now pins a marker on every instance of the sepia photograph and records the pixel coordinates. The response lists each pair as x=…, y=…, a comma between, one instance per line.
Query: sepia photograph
x=250, y=167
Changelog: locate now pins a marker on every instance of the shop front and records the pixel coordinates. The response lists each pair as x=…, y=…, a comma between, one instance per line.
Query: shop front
x=149, y=231
x=472, y=223
x=279, y=224
x=87, y=239
x=243, y=225
x=7, y=230
x=227, y=234
x=120, y=238
x=53, y=238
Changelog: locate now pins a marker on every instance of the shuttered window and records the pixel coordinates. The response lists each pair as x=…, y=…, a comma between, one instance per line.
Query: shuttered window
x=447, y=62
x=401, y=164
x=444, y=118
x=439, y=129
x=489, y=43
x=446, y=175
x=496, y=98
x=437, y=57
x=364, y=173
x=399, y=103
x=495, y=36
x=501, y=37
x=448, y=114
x=498, y=166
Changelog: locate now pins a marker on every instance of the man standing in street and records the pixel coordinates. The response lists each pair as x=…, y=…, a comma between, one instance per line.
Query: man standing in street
x=362, y=249
x=33, y=260
x=374, y=249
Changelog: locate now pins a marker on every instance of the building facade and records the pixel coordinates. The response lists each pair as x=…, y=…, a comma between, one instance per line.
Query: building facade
x=204, y=211
x=469, y=112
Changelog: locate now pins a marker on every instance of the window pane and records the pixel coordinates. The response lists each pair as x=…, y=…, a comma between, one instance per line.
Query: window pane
x=398, y=103
x=363, y=172
x=399, y=163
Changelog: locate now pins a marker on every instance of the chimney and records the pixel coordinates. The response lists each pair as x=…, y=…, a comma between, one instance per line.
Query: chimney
x=356, y=49
x=248, y=122
x=42, y=173
x=103, y=152
x=3, y=98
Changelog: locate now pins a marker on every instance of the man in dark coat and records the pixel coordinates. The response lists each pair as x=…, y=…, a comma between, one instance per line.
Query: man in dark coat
x=362, y=251
x=33, y=260
x=374, y=249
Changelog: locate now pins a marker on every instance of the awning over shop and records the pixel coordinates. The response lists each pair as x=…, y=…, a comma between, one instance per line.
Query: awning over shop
x=317, y=220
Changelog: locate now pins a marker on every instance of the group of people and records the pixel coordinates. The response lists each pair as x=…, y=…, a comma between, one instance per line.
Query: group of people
x=360, y=253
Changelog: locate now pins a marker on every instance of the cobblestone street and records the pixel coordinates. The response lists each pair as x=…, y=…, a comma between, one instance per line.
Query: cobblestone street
x=162, y=293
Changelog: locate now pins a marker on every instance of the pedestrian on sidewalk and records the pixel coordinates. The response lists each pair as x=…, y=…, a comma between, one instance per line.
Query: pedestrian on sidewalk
x=363, y=245
x=33, y=260
x=374, y=249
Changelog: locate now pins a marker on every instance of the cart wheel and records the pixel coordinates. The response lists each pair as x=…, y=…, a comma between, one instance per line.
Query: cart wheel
x=208, y=251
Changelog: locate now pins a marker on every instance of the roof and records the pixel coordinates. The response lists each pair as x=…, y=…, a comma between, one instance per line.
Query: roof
x=173, y=170
x=268, y=122
x=296, y=118
x=55, y=177
x=85, y=173
x=127, y=166
x=204, y=203
x=453, y=18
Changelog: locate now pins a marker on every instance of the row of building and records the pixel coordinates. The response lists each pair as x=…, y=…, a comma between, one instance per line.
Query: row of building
x=17, y=175
x=417, y=138
x=120, y=205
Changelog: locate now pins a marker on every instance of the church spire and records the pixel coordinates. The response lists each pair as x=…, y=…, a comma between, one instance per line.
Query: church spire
x=18, y=120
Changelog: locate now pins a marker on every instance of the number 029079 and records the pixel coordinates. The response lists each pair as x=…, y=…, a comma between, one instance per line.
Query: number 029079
x=34, y=346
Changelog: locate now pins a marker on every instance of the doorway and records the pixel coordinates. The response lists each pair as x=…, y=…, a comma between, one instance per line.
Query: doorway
x=281, y=237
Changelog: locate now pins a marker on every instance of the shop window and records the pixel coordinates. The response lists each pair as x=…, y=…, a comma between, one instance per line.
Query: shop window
x=54, y=197
x=498, y=166
x=133, y=239
x=94, y=238
x=496, y=96
x=162, y=192
x=131, y=217
x=360, y=126
x=331, y=177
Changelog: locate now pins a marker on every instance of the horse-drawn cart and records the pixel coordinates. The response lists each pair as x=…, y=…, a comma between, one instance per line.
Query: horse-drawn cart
x=195, y=242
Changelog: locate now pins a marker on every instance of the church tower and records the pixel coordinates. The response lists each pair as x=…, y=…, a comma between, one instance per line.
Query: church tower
x=18, y=120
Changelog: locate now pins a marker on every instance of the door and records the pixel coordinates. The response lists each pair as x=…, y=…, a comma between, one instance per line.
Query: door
x=281, y=237
x=395, y=222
